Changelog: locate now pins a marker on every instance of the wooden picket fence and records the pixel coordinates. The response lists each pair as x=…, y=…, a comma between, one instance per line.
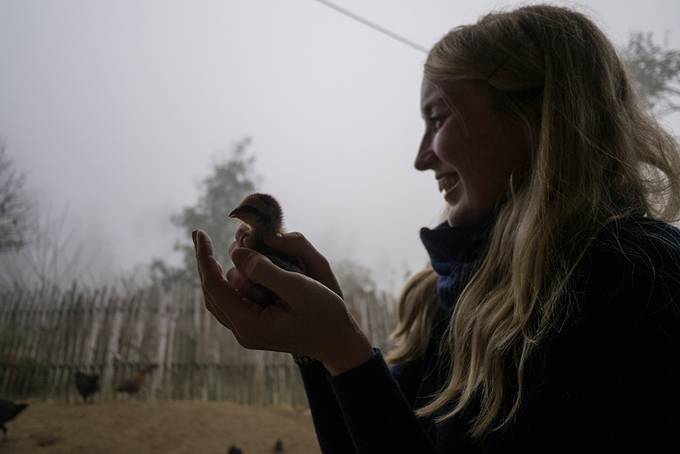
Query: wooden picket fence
x=46, y=336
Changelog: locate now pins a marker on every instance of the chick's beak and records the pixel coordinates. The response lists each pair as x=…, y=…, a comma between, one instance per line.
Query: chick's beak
x=240, y=215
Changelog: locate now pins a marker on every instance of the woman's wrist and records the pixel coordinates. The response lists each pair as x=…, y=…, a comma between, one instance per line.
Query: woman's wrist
x=354, y=355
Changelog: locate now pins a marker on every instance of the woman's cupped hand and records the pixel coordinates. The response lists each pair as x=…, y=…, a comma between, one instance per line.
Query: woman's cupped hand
x=307, y=316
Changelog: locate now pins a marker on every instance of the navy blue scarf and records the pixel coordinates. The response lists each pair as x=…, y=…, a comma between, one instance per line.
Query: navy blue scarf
x=454, y=253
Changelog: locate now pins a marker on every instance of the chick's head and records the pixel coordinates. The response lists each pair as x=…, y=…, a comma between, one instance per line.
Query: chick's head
x=261, y=212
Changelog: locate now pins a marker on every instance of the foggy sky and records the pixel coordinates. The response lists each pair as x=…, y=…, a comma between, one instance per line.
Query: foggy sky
x=115, y=110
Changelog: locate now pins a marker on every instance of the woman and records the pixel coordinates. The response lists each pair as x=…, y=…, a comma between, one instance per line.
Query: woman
x=548, y=318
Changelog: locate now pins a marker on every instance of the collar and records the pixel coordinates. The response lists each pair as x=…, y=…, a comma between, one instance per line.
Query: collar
x=454, y=250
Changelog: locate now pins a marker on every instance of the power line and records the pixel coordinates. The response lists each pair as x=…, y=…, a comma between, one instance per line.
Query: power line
x=376, y=27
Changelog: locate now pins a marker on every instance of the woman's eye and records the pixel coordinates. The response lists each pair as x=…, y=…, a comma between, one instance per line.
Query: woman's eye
x=437, y=121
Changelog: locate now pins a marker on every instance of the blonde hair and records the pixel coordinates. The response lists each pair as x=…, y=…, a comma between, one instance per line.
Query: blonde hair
x=597, y=155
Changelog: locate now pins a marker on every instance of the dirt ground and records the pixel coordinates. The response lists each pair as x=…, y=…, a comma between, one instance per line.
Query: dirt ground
x=172, y=427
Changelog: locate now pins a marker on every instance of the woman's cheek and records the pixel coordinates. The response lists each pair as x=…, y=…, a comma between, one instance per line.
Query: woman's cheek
x=442, y=147
x=449, y=145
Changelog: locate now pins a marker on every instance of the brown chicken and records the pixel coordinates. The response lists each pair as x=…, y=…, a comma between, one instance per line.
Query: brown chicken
x=133, y=384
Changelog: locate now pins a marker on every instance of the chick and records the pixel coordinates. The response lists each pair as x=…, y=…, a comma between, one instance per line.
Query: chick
x=8, y=411
x=264, y=216
x=86, y=384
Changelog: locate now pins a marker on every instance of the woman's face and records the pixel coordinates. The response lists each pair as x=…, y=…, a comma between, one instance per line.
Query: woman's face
x=471, y=147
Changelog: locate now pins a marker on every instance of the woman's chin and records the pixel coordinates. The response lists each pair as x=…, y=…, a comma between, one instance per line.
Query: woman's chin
x=456, y=216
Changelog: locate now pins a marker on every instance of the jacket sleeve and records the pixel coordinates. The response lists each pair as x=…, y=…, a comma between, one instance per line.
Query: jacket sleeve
x=329, y=424
x=408, y=376
x=375, y=411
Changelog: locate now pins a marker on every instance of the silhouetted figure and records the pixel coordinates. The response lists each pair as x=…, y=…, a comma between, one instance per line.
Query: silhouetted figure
x=133, y=384
x=8, y=411
x=278, y=447
x=234, y=450
x=87, y=384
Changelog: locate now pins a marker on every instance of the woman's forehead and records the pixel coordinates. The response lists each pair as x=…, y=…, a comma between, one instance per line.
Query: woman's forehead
x=431, y=95
x=451, y=93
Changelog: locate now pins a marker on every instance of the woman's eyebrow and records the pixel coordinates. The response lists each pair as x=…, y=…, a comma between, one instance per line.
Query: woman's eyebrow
x=426, y=110
x=430, y=105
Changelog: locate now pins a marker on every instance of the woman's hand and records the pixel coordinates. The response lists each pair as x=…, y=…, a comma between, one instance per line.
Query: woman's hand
x=309, y=319
x=293, y=244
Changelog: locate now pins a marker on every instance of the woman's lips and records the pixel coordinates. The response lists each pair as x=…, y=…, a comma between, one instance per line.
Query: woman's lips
x=447, y=182
x=450, y=194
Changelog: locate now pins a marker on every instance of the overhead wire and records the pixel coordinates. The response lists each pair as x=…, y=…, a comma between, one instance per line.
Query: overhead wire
x=373, y=25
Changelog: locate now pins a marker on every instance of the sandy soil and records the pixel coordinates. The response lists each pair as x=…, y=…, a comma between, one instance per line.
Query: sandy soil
x=133, y=427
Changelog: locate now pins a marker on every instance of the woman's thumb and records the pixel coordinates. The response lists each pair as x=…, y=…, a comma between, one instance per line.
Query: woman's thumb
x=260, y=270
x=244, y=259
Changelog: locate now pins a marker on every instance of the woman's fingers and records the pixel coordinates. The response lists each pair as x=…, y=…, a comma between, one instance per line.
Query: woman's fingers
x=231, y=309
x=206, y=297
x=243, y=236
x=237, y=281
x=254, y=325
x=232, y=246
x=260, y=270
x=246, y=288
x=305, y=312
x=318, y=268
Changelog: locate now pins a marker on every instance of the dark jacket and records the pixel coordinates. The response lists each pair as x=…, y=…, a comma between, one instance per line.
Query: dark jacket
x=608, y=380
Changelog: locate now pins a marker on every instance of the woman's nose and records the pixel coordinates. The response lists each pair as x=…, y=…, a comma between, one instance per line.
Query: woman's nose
x=425, y=157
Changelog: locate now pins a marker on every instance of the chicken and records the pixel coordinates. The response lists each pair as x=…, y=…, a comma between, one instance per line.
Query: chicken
x=8, y=411
x=264, y=216
x=133, y=384
x=87, y=384
x=234, y=450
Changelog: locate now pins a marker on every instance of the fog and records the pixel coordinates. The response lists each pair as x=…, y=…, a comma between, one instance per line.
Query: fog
x=115, y=110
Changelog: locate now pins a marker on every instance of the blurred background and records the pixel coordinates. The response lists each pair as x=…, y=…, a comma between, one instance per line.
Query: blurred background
x=116, y=111
x=125, y=125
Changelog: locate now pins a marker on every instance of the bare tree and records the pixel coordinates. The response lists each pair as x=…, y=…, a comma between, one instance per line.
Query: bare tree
x=655, y=71
x=14, y=206
x=50, y=258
